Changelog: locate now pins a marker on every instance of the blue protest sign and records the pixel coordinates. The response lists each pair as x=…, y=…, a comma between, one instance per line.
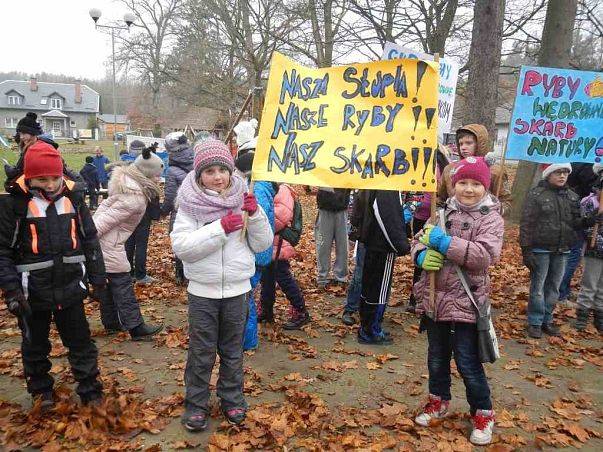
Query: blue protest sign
x=557, y=116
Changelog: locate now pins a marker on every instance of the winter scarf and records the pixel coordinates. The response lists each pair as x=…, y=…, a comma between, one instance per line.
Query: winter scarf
x=206, y=205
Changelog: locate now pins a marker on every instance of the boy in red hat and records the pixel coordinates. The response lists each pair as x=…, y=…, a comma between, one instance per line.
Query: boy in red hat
x=49, y=253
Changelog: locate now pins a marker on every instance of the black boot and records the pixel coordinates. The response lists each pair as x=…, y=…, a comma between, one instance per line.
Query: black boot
x=144, y=331
x=297, y=319
x=581, y=319
x=598, y=321
x=265, y=313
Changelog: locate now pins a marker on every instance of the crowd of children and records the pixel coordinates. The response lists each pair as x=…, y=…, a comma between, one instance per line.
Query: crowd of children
x=231, y=235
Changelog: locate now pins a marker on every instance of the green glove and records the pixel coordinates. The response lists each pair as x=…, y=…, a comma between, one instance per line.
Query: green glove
x=430, y=260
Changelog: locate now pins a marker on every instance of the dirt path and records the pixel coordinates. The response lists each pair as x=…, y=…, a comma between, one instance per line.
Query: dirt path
x=318, y=388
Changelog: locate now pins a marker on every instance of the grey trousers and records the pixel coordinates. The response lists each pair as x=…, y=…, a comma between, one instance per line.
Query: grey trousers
x=331, y=226
x=591, y=293
x=120, y=306
x=215, y=324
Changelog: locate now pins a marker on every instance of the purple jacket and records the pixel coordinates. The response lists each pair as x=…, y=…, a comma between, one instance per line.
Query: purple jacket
x=477, y=238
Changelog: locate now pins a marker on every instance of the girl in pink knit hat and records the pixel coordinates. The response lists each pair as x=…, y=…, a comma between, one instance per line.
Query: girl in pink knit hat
x=470, y=237
x=218, y=263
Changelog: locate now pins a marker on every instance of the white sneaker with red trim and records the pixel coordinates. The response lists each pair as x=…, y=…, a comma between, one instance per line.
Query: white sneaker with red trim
x=435, y=408
x=483, y=425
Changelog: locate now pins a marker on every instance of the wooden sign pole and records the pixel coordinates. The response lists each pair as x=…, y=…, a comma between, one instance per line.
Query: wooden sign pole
x=433, y=220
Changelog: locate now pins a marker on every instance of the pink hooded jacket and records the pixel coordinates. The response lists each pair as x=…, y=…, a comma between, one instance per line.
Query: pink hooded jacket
x=283, y=215
x=477, y=238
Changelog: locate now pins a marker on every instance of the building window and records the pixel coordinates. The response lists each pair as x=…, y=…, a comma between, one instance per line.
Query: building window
x=10, y=123
x=57, y=127
x=44, y=100
x=14, y=100
x=72, y=124
x=56, y=103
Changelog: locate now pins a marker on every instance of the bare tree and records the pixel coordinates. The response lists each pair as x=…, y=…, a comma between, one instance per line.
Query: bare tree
x=427, y=22
x=484, y=62
x=316, y=30
x=555, y=51
x=146, y=51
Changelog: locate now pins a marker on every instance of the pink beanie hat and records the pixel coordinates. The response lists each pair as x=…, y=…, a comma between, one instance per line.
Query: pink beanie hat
x=212, y=152
x=475, y=168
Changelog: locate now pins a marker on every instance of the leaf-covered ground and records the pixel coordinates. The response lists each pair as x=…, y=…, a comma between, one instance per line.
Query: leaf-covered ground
x=316, y=389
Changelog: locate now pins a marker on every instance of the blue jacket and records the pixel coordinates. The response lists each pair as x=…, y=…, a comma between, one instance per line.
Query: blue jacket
x=180, y=164
x=100, y=163
x=264, y=193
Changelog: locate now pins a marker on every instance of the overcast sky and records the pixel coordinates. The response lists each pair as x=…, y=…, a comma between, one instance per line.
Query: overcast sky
x=56, y=36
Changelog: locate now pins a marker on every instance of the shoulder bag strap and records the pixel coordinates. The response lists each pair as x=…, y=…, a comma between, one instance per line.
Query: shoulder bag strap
x=460, y=273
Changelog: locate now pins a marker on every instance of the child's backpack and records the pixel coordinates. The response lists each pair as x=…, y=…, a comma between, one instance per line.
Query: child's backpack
x=293, y=232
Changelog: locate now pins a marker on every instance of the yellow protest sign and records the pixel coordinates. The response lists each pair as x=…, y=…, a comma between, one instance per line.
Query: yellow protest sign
x=367, y=125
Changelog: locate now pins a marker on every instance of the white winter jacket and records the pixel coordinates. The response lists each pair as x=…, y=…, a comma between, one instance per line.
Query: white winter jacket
x=219, y=265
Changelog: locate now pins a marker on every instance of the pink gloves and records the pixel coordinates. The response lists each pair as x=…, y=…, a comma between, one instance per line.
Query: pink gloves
x=250, y=204
x=232, y=222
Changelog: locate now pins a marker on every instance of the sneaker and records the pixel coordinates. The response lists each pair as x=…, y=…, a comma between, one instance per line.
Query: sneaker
x=483, y=424
x=534, y=331
x=147, y=280
x=195, y=423
x=235, y=416
x=435, y=408
x=348, y=318
x=297, y=319
x=377, y=339
x=581, y=319
x=550, y=329
x=145, y=331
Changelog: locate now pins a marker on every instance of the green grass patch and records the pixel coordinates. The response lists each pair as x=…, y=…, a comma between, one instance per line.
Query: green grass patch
x=73, y=154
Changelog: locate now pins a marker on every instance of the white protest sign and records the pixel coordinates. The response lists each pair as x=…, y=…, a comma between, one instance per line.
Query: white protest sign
x=148, y=141
x=449, y=72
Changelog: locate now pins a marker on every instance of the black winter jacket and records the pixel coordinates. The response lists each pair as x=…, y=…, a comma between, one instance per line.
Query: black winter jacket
x=90, y=175
x=378, y=220
x=582, y=179
x=551, y=216
x=48, y=249
x=333, y=201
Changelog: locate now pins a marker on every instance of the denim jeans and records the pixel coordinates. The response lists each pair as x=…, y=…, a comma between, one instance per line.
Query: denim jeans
x=446, y=338
x=544, y=287
x=355, y=288
x=573, y=261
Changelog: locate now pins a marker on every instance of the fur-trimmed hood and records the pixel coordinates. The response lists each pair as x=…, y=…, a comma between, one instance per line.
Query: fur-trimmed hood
x=127, y=179
x=483, y=138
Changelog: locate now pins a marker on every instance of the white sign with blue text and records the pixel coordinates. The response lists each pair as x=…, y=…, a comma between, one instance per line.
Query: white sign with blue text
x=449, y=72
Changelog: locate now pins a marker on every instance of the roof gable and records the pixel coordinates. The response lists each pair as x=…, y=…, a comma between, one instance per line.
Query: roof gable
x=32, y=99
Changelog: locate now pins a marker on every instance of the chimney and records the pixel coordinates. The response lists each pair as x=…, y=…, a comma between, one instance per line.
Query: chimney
x=78, y=91
x=33, y=83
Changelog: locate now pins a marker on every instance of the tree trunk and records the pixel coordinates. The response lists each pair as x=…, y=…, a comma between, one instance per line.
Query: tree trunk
x=484, y=62
x=555, y=51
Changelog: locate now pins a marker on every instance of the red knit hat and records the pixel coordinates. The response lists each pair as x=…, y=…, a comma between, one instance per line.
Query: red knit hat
x=475, y=168
x=41, y=159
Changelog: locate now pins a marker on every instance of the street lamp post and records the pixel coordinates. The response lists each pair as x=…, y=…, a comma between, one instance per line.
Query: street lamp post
x=95, y=14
